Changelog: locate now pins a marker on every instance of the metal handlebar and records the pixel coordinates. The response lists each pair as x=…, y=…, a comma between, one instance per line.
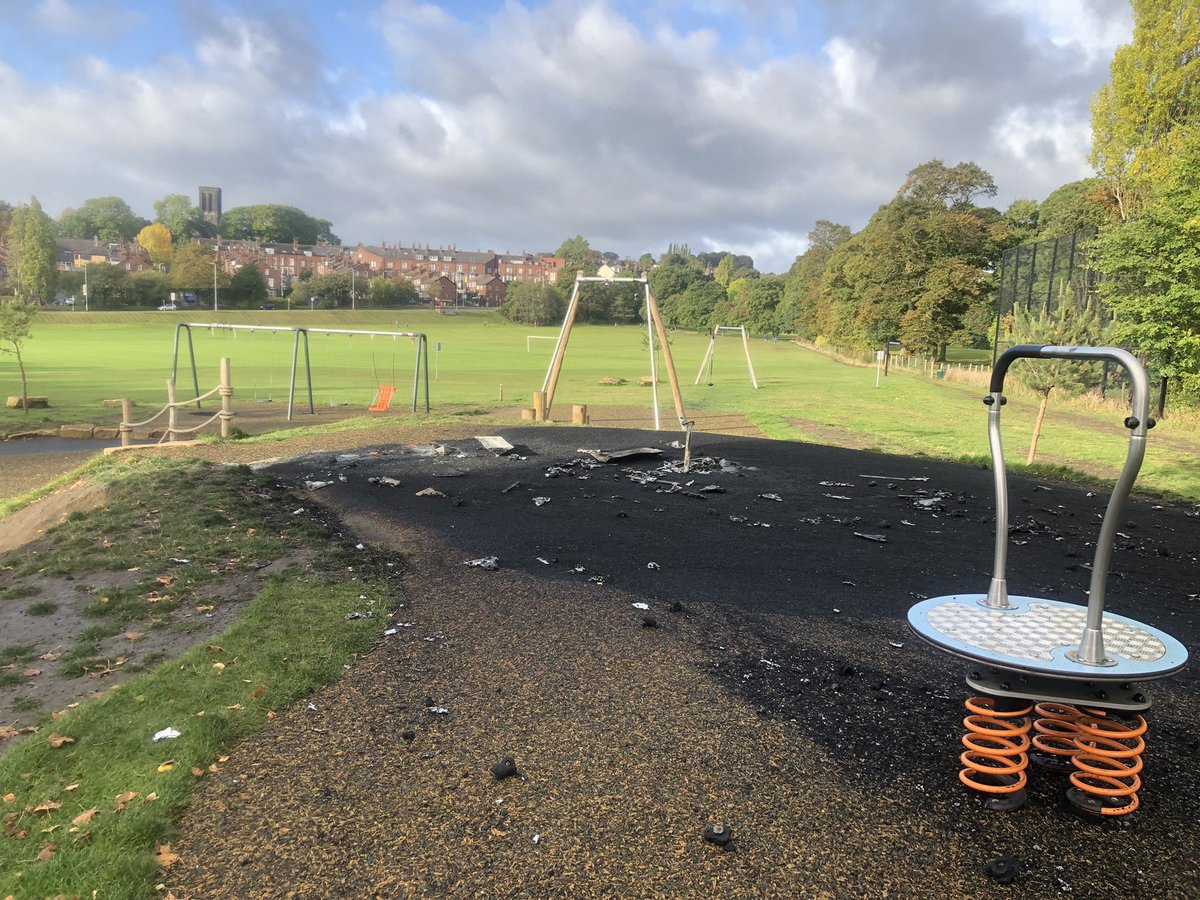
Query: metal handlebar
x=1091, y=645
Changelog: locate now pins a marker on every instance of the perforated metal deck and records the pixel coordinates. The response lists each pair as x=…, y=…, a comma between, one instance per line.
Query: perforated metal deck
x=1037, y=635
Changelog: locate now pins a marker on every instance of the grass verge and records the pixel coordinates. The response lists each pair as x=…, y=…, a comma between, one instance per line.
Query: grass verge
x=90, y=801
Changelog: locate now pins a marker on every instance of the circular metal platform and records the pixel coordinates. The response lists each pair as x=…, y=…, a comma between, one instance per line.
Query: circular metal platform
x=1036, y=635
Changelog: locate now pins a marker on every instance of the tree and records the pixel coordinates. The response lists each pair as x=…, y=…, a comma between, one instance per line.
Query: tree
x=802, y=283
x=16, y=325
x=32, y=253
x=695, y=306
x=247, y=287
x=385, y=292
x=530, y=303
x=180, y=217
x=957, y=186
x=1077, y=206
x=672, y=278
x=108, y=218
x=107, y=286
x=1154, y=89
x=275, y=224
x=146, y=290
x=1152, y=261
x=1067, y=327
x=332, y=289
x=194, y=268
x=155, y=239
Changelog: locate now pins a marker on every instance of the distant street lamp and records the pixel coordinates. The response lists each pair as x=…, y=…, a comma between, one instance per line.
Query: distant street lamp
x=214, y=282
x=85, y=287
x=353, y=281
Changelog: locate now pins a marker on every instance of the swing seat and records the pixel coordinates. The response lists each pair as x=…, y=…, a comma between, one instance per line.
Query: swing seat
x=383, y=399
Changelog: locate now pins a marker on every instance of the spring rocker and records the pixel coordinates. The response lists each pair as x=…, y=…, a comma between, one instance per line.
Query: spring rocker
x=1072, y=676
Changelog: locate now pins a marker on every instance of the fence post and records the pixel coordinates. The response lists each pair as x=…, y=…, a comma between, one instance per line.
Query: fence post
x=171, y=412
x=226, y=397
x=126, y=418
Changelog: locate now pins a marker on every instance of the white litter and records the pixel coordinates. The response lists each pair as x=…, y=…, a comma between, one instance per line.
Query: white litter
x=653, y=565
x=316, y=485
x=430, y=492
x=384, y=479
x=438, y=710
x=540, y=501
x=389, y=632
x=641, y=606
x=296, y=512
x=360, y=546
x=544, y=562
x=836, y=610
x=313, y=707
x=491, y=563
x=537, y=838
x=896, y=644
x=176, y=559
x=774, y=497
x=167, y=734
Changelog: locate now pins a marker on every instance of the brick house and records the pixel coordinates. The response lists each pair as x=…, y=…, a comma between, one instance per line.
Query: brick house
x=492, y=291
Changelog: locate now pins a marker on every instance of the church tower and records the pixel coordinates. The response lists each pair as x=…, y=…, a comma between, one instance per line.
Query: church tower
x=210, y=205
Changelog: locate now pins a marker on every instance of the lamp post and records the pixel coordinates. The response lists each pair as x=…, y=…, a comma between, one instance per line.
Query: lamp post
x=214, y=282
x=353, y=282
x=85, y=287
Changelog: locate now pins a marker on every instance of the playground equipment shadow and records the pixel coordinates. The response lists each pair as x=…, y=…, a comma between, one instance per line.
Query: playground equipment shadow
x=767, y=682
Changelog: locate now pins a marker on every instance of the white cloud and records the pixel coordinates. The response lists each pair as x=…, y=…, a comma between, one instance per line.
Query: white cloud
x=532, y=125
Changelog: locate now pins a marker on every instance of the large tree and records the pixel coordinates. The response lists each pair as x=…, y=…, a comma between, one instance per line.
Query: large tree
x=32, y=253
x=275, y=224
x=155, y=239
x=108, y=218
x=386, y=292
x=195, y=269
x=532, y=304
x=16, y=324
x=180, y=217
x=247, y=287
x=1152, y=261
x=802, y=284
x=1154, y=89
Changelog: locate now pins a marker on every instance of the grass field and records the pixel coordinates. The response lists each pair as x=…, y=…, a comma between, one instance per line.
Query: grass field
x=80, y=359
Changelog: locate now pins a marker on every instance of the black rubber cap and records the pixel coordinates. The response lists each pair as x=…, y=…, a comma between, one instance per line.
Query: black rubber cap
x=1003, y=869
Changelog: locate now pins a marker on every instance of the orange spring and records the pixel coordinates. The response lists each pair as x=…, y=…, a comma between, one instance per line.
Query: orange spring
x=995, y=759
x=1108, y=762
x=1056, y=731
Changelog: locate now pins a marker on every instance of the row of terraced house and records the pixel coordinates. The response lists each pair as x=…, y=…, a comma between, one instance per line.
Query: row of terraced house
x=443, y=274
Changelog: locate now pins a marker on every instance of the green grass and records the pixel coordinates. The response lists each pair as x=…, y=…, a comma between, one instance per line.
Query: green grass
x=78, y=359
x=289, y=640
x=18, y=591
x=41, y=608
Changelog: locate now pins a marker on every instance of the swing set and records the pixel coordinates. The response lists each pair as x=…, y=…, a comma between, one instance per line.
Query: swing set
x=383, y=395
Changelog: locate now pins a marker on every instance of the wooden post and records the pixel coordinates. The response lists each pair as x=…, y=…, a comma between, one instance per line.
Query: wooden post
x=501, y=393
x=560, y=350
x=539, y=406
x=666, y=348
x=226, y=397
x=126, y=419
x=578, y=415
x=171, y=412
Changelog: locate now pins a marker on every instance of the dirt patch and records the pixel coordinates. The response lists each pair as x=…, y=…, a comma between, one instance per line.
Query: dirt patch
x=830, y=434
x=33, y=521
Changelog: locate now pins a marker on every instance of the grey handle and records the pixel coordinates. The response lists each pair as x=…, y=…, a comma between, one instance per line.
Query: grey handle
x=1091, y=645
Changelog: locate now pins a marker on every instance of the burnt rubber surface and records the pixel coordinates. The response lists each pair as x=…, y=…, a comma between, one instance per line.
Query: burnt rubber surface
x=786, y=697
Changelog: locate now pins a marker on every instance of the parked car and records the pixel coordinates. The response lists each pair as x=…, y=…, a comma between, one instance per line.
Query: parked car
x=267, y=306
x=168, y=307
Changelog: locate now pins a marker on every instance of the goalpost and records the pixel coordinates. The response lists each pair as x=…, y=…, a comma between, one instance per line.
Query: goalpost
x=654, y=324
x=300, y=343
x=538, y=337
x=717, y=331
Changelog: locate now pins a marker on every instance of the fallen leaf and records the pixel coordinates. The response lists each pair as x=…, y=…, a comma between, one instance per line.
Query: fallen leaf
x=222, y=759
x=51, y=829
x=168, y=580
x=270, y=713
x=30, y=673
x=250, y=532
x=236, y=706
x=199, y=773
x=57, y=740
x=205, y=607
x=123, y=799
x=212, y=767
x=259, y=691
x=72, y=787
x=135, y=635
x=103, y=599
x=213, y=648
x=84, y=817
x=164, y=857
x=9, y=798
x=167, y=766
x=151, y=797
x=47, y=853
x=49, y=656
x=199, y=715
x=44, y=807
x=220, y=667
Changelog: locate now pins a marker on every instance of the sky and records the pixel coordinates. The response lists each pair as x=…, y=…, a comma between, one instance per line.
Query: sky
x=511, y=125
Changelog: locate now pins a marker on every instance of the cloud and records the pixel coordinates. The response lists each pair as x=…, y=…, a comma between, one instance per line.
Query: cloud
x=531, y=124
